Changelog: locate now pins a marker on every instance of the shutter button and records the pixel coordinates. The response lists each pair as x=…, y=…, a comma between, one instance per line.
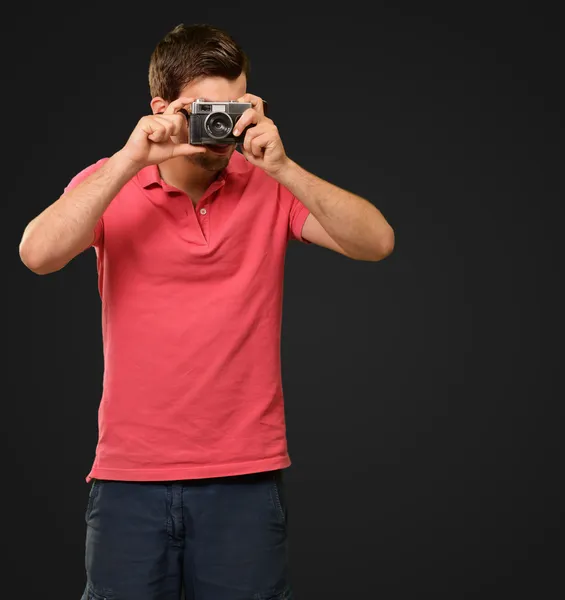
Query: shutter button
x=202, y=211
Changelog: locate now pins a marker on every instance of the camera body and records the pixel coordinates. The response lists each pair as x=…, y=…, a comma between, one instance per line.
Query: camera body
x=213, y=122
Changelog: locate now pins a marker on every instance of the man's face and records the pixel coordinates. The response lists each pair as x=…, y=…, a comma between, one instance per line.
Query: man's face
x=215, y=89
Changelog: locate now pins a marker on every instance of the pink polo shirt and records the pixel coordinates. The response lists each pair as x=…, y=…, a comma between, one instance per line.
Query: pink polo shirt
x=191, y=321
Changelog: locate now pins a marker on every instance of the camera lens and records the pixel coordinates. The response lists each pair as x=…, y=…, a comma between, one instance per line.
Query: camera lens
x=218, y=125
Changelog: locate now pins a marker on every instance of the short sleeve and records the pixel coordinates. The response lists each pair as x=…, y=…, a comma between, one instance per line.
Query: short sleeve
x=297, y=214
x=79, y=178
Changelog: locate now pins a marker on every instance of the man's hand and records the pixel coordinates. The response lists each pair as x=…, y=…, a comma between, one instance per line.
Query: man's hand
x=262, y=145
x=158, y=138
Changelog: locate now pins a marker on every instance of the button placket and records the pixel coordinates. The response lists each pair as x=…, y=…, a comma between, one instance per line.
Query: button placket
x=203, y=221
x=202, y=213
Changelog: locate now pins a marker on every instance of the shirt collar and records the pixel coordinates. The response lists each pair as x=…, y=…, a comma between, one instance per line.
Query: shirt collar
x=237, y=165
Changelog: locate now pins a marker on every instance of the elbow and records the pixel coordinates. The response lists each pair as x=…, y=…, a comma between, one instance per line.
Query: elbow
x=33, y=259
x=385, y=245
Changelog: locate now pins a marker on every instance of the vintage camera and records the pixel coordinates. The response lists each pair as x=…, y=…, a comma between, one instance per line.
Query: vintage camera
x=213, y=122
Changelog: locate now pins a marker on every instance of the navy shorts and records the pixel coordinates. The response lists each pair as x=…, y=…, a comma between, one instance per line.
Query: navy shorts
x=203, y=539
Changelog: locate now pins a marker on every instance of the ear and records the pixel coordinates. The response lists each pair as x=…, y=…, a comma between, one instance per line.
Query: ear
x=158, y=105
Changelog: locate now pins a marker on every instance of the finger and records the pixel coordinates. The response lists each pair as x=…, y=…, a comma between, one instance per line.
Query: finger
x=152, y=128
x=259, y=143
x=249, y=117
x=252, y=133
x=259, y=130
x=167, y=124
x=256, y=102
x=181, y=102
x=184, y=113
x=178, y=122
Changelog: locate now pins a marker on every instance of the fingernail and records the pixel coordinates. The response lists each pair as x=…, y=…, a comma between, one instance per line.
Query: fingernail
x=236, y=131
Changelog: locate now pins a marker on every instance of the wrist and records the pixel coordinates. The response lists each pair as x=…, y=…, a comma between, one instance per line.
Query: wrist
x=285, y=171
x=125, y=165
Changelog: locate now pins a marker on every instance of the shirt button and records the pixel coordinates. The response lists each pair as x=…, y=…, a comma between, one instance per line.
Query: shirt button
x=202, y=211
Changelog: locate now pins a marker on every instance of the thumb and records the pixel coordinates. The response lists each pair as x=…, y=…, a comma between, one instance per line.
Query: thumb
x=187, y=150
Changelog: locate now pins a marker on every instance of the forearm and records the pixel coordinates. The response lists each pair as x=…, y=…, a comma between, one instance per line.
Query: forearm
x=66, y=227
x=353, y=222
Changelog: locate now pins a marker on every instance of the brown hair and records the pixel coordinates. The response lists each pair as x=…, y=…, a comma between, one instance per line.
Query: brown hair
x=189, y=52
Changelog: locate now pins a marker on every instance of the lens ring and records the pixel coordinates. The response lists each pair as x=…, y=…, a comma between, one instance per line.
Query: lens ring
x=218, y=125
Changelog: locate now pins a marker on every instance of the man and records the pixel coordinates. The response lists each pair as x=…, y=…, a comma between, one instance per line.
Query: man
x=187, y=486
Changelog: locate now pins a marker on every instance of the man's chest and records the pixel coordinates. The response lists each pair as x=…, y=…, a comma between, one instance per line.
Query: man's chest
x=167, y=236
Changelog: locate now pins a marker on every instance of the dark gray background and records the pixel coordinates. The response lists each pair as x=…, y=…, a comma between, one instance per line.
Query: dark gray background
x=424, y=393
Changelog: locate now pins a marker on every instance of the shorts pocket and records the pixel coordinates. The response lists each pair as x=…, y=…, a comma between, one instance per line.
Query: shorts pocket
x=94, y=488
x=278, y=495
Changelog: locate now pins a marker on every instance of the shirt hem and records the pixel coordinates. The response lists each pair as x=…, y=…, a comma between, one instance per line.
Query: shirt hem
x=193, y=472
